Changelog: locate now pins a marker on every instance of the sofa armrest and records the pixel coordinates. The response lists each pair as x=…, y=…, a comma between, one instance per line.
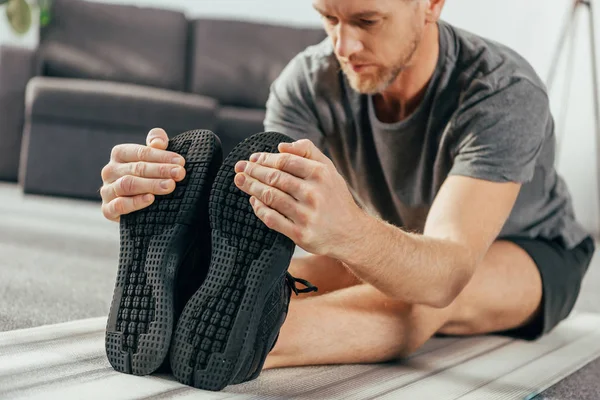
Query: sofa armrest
x=91, y=102
x=16, y=69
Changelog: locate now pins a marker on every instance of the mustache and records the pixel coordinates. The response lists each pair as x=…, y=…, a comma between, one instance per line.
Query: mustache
x=353, y=61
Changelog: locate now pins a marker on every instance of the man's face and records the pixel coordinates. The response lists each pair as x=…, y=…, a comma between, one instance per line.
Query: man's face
x=374, y=40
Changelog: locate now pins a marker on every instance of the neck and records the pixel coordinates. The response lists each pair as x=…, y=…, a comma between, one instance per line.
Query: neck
x=404, y=95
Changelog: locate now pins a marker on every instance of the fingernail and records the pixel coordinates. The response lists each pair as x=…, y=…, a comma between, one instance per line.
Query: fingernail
x=175, y=172
x=240, y=166
x=165, y=184
x=157, y=141
x=147, y=197
x=252, y=201
x=254, y=157
x=240, y=179
x=178, y=160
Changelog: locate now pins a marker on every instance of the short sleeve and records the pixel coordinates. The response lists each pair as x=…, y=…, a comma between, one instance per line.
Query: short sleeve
x=500, y=136
x=291, y=105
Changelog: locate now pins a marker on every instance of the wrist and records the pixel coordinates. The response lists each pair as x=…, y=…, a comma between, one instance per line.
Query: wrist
x=351, y=243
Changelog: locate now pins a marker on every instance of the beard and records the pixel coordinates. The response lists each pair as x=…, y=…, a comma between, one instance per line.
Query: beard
x=372, y=82
x=380, y=77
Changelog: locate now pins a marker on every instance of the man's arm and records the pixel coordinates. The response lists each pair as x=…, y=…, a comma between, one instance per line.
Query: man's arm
x=300, y=194
x=433, y=268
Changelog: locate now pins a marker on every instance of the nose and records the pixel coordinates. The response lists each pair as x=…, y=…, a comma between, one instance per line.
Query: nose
x=346, y=42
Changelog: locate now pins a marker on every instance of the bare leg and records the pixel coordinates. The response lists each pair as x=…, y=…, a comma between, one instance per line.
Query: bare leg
x=324, y=272
x=359, y=324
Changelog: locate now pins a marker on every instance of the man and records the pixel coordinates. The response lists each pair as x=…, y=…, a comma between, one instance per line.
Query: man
x=439, y=211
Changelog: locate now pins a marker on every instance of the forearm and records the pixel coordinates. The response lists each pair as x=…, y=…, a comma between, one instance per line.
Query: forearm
x=416, y=269
x=299, y=193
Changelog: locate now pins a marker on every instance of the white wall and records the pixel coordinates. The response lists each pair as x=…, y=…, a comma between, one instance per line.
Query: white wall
x=8, y=37
x=295, y=12
x=533, y=28
x=530, y=27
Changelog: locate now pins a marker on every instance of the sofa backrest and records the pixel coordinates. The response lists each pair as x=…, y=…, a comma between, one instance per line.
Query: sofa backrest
x=113, y=42
x=235, y=62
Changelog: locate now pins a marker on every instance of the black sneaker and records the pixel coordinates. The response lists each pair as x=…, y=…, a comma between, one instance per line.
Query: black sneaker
x=165, y=253
x=229, y=326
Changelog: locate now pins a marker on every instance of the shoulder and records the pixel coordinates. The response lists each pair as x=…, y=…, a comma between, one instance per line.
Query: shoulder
x=483, y=68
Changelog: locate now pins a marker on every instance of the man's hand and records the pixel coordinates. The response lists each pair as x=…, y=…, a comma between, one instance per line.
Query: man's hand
x=300, y=194
x=136, y=173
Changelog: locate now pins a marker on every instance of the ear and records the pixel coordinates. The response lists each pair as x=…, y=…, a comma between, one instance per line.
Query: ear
x=434, y=10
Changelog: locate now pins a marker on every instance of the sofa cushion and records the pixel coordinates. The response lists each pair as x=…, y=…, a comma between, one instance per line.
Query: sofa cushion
x=121, y=43
x=64, y=159
x=88, y=102
x=236, y=61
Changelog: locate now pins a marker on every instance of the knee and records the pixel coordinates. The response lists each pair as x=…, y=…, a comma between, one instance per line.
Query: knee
x=464, y=321
x=397, y=348
x=409, y=349
x=469, y=319
x=420, y=324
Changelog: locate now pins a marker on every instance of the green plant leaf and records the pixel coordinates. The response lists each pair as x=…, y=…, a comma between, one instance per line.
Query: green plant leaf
x=18, y=13
x=44, y=8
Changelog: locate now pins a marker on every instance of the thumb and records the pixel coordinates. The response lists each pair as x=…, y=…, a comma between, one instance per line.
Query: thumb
x=304, y=148
x=157, y=138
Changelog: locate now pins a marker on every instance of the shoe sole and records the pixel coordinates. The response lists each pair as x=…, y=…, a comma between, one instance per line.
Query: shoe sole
x=154, y=241
x=217, y=329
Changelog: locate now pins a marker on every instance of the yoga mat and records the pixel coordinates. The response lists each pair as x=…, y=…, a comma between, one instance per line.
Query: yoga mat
x=67, y=361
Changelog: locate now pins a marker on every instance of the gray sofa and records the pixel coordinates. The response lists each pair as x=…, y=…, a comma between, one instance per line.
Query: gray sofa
x=105, y=74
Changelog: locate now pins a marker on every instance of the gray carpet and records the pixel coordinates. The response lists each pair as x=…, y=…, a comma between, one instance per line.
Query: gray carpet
x=58, y=261
x=584, y=384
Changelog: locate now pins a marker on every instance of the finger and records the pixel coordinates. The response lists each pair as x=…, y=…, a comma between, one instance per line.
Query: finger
x=137, y=152
x=272, y=197
x=304, y=148
x=125, y=205
x=129, y=185
x=281, y=180
x=290, y=163
x=157, y=138
x=114, y=171
x=271, y=218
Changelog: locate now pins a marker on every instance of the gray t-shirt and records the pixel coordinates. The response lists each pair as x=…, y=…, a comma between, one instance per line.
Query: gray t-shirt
x=485, y=114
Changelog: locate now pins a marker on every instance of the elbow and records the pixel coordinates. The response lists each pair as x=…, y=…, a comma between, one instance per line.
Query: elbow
x=441, y=299
x=450, y=288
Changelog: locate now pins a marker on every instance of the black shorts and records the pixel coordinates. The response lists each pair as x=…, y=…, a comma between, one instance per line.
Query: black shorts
x=562, y=271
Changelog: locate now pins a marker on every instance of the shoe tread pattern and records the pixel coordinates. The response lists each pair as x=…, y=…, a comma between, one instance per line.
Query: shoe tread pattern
x=140, y=321
x=242, y=248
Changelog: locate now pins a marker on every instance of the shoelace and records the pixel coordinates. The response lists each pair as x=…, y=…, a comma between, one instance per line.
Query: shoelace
x=291, y=281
